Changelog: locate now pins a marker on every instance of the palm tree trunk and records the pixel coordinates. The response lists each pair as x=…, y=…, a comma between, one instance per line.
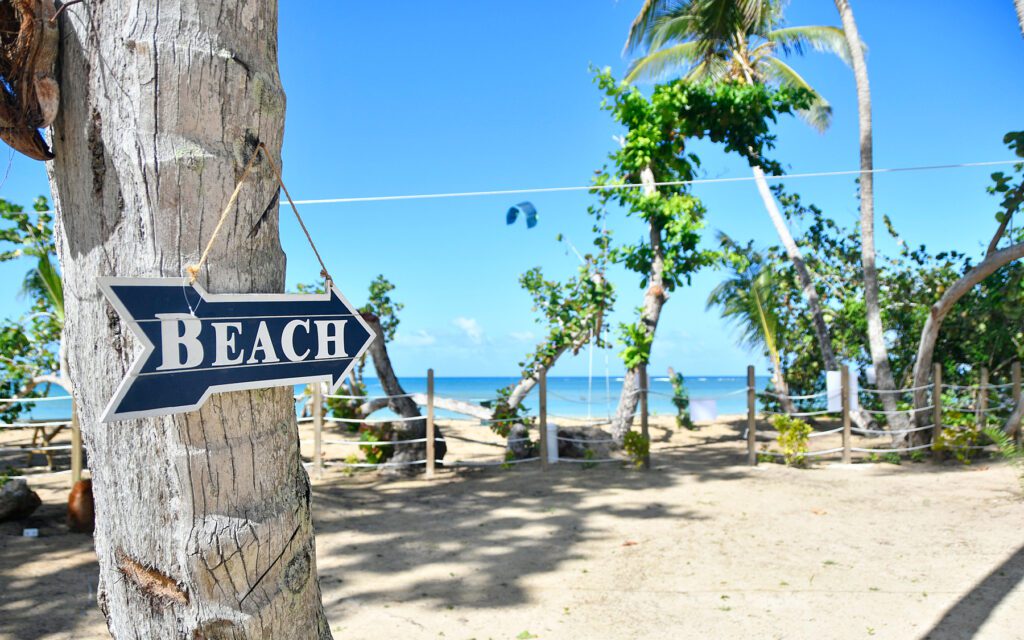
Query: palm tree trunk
x=872, y=305
x=203, y=522
x=802, y=272
x=654, y=300
x=1020, y=14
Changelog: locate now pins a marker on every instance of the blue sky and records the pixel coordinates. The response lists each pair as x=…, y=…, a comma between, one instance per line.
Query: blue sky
x=410, y=97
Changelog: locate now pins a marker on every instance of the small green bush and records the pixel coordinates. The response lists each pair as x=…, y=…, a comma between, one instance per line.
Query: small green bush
x=637, y=446
x=793, y=438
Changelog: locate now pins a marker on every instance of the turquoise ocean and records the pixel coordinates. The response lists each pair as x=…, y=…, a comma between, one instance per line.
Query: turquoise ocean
x=567, y=396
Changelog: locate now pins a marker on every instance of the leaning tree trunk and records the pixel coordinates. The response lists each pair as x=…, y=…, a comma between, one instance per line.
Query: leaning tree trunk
x=1020, y=14
x=203, y=519
x=872, y=306
x=803, y=274
x=650, y=312
x=938, y=313
x=404, y=404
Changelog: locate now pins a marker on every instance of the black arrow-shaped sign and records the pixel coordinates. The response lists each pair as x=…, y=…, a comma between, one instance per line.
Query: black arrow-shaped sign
x=197, y=343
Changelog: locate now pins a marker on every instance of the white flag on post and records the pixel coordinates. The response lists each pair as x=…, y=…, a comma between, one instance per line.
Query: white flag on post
x=834, y=390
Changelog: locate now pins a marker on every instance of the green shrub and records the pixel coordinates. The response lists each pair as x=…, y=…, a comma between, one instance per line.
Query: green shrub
x=637, y=446
x=376, y=454
x=793, y=438
x=958, y=440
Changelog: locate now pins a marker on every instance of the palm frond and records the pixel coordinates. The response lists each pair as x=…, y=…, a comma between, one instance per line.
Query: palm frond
x=642, y=24
x=52, y=286
x=655, y=66
x=820, y=38
x=819, y=115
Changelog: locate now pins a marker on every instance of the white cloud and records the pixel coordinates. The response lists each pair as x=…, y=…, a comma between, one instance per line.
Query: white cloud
x=523, y=336
x=419, y=338
x=471, y=328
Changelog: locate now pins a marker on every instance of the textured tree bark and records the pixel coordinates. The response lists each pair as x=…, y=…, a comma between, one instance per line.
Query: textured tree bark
x=939, y=311
x=404, y=406
x=654, y=300
x=203, y=519
x=872, y=306
x=1020, y=14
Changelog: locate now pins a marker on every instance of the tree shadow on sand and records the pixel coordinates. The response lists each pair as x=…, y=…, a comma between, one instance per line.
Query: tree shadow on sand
x=47, y=584
x=965, y=618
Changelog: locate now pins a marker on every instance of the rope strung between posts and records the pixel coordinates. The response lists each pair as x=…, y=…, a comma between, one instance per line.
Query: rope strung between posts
x=193, y=270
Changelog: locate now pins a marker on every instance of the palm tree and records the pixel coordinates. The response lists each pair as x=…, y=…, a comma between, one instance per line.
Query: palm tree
x=738, y=40
x=872, y=305
x=749, y=299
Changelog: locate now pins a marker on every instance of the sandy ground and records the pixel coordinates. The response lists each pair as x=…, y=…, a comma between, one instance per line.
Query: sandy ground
x=699, y=547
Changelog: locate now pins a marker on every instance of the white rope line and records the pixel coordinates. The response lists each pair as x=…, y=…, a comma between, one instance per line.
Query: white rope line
x=894, y=432
x=964, y=408
x=585, y=461
x=809, y=454
x=907, y=390
x=975, y=387
x=369, y=421
x=583, y=441
x=818, y=434
x=32, y=400
x=372, y=465
x=28, y=448
x=898, y=450
x=897, y=412
x=366, y=398
x=35, y=476
x=633, y=185
x=34, y=425
x=800, y=414
x=824, y=452
x=809, y=396
x=500, y=445
x=377, y=443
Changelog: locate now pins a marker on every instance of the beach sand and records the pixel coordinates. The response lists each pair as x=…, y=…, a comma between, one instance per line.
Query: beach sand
x=701, y=546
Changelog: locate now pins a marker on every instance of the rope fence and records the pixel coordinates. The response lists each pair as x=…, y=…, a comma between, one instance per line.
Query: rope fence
x=946, y=402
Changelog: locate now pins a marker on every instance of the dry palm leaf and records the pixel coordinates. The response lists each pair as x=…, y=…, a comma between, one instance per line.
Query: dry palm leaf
x=29, y=94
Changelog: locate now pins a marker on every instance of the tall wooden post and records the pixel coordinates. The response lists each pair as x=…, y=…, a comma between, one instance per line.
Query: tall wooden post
x=845, y=384
x=318, y=429
x=751, y=418
x=543, y=419
x=1016, y=401
x=644, y=430
x=936, y=408
x=983, y=399
x=430, y=424
x=76, y=445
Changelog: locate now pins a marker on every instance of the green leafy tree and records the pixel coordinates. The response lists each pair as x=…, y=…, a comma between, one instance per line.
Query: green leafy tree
x=30, y=345
x=738, y=41
x=654, y=152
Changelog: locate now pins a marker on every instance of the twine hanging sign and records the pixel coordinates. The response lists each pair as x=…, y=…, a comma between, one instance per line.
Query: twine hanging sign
x=196, y=343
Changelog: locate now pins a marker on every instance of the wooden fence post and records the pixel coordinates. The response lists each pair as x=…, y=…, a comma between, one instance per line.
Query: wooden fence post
x=430, y=423
x=936, y=409
x=318, y=428
x=1018, y=435
x=845, y=384
x=543, y=419
x=644, y=428
x=982, y=416
x=76, y=445
x=751, y=418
